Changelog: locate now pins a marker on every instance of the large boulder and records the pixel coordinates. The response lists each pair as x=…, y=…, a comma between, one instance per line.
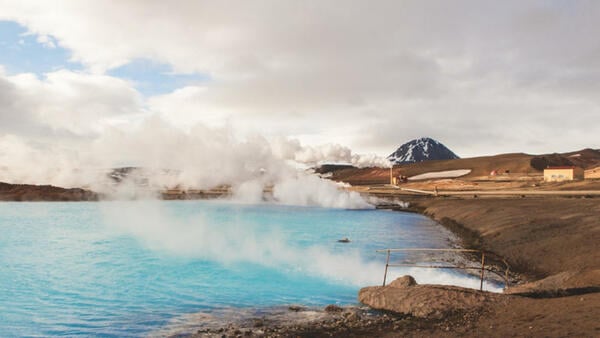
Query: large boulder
x=404, y=296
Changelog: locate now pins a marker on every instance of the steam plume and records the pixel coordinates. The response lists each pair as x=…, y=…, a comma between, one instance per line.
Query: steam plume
x=238, y=241
x=169, y=157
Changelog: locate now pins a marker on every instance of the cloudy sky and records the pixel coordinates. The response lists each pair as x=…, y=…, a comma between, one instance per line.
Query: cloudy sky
x=483, y=77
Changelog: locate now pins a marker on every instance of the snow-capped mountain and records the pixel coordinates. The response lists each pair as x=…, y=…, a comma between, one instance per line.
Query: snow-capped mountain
x=422, y=149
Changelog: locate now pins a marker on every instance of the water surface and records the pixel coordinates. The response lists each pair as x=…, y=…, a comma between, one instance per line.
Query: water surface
x=128, y=268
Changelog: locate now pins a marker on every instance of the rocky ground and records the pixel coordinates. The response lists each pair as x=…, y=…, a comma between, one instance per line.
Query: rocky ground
x=333, y=321
x=511, y=317
x=299, y=321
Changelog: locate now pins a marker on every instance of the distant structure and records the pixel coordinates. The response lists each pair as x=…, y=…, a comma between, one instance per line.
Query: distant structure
x=558, y=174
x=397, y=180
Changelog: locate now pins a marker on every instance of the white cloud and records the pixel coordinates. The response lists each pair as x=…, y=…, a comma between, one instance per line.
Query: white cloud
x=46, y=41
x=483, y=77
x=64, y=101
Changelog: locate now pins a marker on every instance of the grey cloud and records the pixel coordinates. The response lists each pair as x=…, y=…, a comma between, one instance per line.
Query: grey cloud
x=487, y=76
x=15, y=117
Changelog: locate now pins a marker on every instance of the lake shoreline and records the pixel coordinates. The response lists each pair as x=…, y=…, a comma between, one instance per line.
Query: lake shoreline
x=544, y=304
x=550, y=242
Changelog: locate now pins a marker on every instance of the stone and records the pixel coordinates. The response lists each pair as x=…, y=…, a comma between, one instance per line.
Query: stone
x=403, y=282
x=295, y=308
x=425, y=301
x=353, y=316
x=333, y=308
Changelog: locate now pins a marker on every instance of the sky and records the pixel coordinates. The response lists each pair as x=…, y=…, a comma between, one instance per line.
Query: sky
x=482, y=77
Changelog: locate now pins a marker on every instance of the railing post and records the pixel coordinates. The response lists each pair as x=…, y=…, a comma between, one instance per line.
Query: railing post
x=506, y=274
x=387, y=263
x=482, y=270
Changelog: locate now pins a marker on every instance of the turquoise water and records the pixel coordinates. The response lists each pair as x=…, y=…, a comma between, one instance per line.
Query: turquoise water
x=128, y=268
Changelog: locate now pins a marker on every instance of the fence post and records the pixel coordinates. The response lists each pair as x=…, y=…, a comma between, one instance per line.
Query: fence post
x=506, y=274
x=482, y=270
x=387, y=263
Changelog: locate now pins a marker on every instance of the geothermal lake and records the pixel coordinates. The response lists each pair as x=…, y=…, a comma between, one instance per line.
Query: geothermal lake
x=131, y=268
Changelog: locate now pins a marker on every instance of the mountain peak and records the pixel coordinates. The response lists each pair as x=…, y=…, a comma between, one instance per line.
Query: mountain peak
x=421, y=149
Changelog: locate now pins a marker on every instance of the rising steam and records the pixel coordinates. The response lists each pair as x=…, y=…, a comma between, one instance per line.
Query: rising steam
x=240, y=241
x=202, y=158
x=168, y=157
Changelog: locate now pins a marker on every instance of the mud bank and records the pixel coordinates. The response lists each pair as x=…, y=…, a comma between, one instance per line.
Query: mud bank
x=539, y=237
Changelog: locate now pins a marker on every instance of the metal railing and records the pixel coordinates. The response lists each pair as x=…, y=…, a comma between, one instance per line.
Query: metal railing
x=482, y=268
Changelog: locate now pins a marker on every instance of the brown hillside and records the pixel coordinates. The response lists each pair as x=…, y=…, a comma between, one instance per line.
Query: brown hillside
x=586, y=158
x=481, y=167
x=28, y=192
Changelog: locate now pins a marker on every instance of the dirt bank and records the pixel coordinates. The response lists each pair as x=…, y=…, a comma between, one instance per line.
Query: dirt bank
x=468, y=312
x=29, y=192
x=552, y=241
x=539, y=237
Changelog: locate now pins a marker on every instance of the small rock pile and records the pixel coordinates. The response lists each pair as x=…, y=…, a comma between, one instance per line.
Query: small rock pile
x=332, y=321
